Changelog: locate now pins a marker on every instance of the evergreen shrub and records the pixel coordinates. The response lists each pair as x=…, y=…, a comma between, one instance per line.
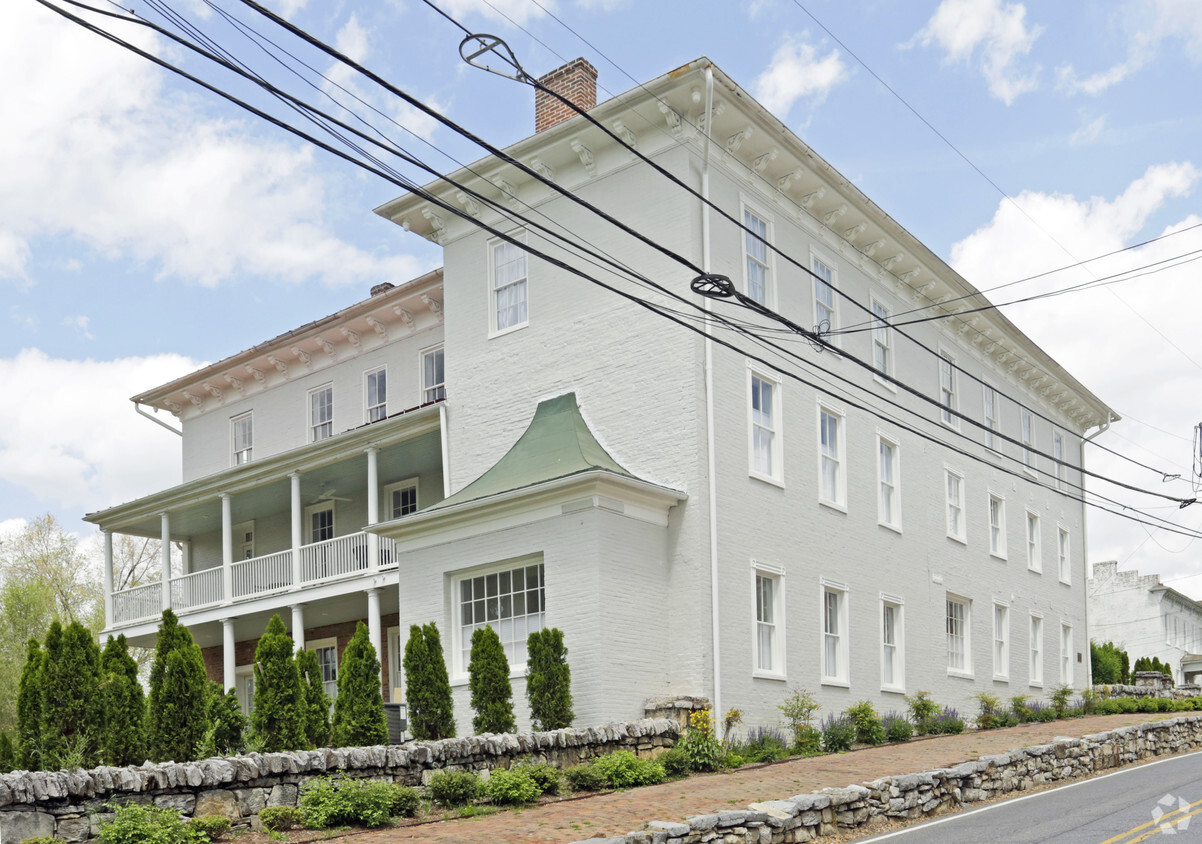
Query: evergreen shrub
x=315, y=701
x=548, y=680
x=511, y=787
x=453, y=788
x=71, y=707
x=177, y=706
x=488, y=681
x=548, y=777
x=277, y=720
x=359, y=708
x=339, y=801
x=123, y=739
x=585, y=777
x=29, y=709
x=427, y=688
x=280, y=818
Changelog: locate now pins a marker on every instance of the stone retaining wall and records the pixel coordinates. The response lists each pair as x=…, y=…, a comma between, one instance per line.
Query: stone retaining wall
x=70, y=805
x=826, y=812
x=1185, y=690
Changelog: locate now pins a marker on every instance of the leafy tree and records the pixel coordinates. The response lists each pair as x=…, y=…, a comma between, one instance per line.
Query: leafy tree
x=227, y=723
x=29, y=709
x=1107, y=663
x=359, y=708
x=488, y=680
x=548, y=680
x=123, y=739
x=427, y=689
x=8, y=754
x=72, y=717
x=316, y=701
x=278, y=719
x=177, y=711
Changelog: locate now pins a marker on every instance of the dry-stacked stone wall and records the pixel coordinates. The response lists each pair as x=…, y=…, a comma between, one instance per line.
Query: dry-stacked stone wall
x=909, y=796
x=70, y=805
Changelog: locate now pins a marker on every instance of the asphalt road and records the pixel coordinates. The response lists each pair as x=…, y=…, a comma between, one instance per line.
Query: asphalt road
x=1136, y=804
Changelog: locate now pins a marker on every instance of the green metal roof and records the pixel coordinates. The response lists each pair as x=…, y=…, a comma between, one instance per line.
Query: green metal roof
x=557, y=444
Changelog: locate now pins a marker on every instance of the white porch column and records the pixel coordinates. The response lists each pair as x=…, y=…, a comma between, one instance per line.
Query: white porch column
x=374, y=625
x=373, y=506
x=108, y=578
x=298, y=626
x=298, y=518
x=227, y=549
x=165, y=558
x=228, y=644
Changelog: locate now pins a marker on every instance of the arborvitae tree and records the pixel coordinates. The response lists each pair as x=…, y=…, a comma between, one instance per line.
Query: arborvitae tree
x=123, y=740
x=316, y=701
x=427, y=689
x=29, y=710
x=278, y=719
x=72, y=717
x=8, y=754
x=177, y=710
x=227, y=722
x=359, y=708
x=488, y=679
x=548, y=680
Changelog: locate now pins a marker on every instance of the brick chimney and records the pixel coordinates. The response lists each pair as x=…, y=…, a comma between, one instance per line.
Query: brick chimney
x=577, y=81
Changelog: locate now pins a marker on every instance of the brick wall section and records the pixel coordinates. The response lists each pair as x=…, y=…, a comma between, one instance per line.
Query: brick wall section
x=244, y=652
x=576, y=80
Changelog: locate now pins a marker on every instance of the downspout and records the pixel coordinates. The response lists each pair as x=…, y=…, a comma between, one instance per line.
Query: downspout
x=1103, y=428
x=446, y=450
x=155, y=420
x=709, y=394
x=1085, y=552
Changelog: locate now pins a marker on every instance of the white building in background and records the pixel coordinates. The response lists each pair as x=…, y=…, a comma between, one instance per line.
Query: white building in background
x=504, y=442
x=1146, y=619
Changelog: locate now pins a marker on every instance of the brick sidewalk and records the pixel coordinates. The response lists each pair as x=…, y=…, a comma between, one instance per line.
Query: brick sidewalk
x=602, y=815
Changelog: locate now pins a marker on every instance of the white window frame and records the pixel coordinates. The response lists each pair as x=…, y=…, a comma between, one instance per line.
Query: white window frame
x=821, y=259
x=888, y=488
x=324, y=429
x=396, y=664
x=458, y=663
x=774, y=430
x=955, y=506
x=1035, y=651
x=992, y=417
x=1064, y=555
x=1026, y=427
x=1034, y=542
x=1061, y=470
x=882, y=341
x=964, y=669
x=948, y=389
x=523, y=283
x=898, y=645
x=311, y=511
x=839, y=458
x=242, y=456
x=1001, y=641
x=997, y=526
x=746, y=209
x=397, y=486
x=374, y=412
x=331, y=686
x=244, y=679
x=433, y=391
x=775, y=624
x=836, y=639
x=1066, y=654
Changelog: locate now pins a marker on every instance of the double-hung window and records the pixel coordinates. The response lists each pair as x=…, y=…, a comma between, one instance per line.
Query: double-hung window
x=1036, y=648
x=768, y=584
x=882, y=339
x=1063, y=556
x=321, y=413
x=893, y=671
x=991, y=416
x=434, y=386
x=400, y=498
x=954, y=487
x=997, y=526
x=1034, y=543
x=832, y=471
x=834, y=635
x=759, y=271
x=825, y=312
x=1028, y=436
x=1066, y=655
x=1058, y=454
x=947, y=390
x=512, y=601
x=376, y=401
x=888, y=492
x=327, y=663
x=242, y=432
x=1001, y=641
x=766, y=450
x=959, y=635
x=509, y=285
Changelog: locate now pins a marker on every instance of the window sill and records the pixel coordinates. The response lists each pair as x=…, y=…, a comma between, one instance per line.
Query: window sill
x=1066, y=582
x=768, y=479
x=492, y=332
x=833, y=505
x=953, y=425
x=894, y=690
x=888, y=385
x=962, y=540
x=993, y=555
x=835, y=681
x=895, y=528
x=1035, y=571
x=768, y=675
x=1035, y=684
x=964, y=675
x=1001, y=678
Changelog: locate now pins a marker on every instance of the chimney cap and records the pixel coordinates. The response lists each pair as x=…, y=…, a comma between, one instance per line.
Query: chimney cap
x=382, y=287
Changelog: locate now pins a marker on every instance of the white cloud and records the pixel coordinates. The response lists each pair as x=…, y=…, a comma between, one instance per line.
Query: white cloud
x=1089, y=133
x=117, y=161
x=508, y=11
x=352, y=40
x=80, y=322
x=796, y=72
x=69, y=436
x=1102, y=338
x=995, y=31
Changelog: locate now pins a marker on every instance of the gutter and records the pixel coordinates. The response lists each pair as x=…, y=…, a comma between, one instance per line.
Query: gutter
x=155, y=420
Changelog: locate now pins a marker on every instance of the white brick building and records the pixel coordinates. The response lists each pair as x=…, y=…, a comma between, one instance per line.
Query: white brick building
x=709, y=525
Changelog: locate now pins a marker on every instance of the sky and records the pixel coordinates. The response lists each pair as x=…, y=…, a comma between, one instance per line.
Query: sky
x=147, y=227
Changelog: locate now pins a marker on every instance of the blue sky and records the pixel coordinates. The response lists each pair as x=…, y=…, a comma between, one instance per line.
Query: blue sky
x=146, y=228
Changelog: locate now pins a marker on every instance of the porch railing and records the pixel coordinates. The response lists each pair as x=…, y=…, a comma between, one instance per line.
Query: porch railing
x=137, y=603
x=261, y=575
x=196, y=589
x=334, y=557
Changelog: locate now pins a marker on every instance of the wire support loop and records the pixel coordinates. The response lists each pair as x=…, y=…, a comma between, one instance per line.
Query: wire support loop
x=480, y=43
x=713, y=286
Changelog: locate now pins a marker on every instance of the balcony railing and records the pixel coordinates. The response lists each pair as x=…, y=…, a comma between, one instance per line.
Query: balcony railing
x=334, y=558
